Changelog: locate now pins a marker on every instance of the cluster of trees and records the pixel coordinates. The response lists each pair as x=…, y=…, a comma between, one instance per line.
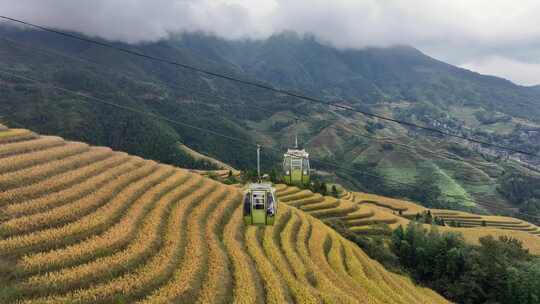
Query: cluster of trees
x=519, y=187
x=280, y=125
x=496, y=271
x=428, y=218
x=318, y=186
x=230, y=179
x=372, y=127
x=489, y=117
x=522, y=190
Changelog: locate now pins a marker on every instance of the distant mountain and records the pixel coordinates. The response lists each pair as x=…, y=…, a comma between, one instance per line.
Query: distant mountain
x=399, y=81
x=369, y=75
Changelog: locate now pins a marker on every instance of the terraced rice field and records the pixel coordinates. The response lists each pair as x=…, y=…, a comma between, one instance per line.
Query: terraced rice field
x=406, y=208
x=410, y=209
x=218, y=174
x=357, y=217
x=472, y=220
x=362, y=212
x=81, y=224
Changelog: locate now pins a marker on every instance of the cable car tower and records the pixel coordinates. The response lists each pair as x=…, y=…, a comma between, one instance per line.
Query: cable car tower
x=296, y=170
x=260, y=203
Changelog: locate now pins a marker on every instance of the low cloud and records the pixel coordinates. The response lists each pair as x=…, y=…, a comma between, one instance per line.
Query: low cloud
x=520, y=72
x=458, y=31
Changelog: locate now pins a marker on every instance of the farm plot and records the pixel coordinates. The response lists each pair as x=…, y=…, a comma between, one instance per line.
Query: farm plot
x=364, y=213
x=80, y=224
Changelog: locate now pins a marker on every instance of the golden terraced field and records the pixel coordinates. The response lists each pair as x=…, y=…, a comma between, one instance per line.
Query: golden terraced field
x=81, y=224
x=361, y=212
x=219, y=175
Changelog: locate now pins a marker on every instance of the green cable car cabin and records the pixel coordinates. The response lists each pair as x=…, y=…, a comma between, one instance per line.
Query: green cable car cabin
x=260, y=204
x=296, y=170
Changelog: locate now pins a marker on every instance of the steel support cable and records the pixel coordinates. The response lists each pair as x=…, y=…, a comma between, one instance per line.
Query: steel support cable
x=266, y=87
x=243, y=103
x=141, y=112
x=215, y=96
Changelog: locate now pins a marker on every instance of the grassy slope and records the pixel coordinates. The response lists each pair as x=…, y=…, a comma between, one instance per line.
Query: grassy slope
x=98, y=226
x=459, y=181
x=199, y=156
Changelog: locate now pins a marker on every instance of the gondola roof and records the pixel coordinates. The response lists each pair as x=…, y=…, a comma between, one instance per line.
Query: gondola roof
x=260, y=186
x=297, y=152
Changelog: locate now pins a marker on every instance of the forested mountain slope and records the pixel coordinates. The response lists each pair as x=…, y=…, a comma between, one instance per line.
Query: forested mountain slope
x=399, y=82
x=368, y=75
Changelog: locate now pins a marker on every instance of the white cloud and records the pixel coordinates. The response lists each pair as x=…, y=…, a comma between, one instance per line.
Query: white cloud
x=457, y=30
x=133, y=20
x=353, y=23
x=520, y=72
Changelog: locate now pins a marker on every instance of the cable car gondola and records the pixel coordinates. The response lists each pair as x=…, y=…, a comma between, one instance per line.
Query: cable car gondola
x=260, y=204
x=260, y=201
x=296, y=170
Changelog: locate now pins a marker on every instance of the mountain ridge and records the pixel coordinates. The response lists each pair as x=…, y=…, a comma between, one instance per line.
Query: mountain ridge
x=381, y=65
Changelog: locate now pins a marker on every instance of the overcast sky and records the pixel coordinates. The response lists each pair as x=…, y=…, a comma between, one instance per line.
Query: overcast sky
x=498, y=37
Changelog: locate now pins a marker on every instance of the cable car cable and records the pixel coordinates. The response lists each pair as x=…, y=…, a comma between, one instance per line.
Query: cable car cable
x=132, y=77
x=356, y=135
x=127, y=108
x=185, y=124
x=243, y=103
x=388, y=141
x=214, y=96
x=266, y=87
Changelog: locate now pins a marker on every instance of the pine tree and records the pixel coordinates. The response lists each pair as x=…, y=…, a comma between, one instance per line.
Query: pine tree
x=324, y=189
x=334, y=191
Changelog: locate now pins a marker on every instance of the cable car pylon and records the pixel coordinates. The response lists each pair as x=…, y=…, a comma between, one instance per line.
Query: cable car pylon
x=259, y=163
x=296, y=135
x=260, y=201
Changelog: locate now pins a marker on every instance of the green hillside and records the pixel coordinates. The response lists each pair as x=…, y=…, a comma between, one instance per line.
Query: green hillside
x=399, y=81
